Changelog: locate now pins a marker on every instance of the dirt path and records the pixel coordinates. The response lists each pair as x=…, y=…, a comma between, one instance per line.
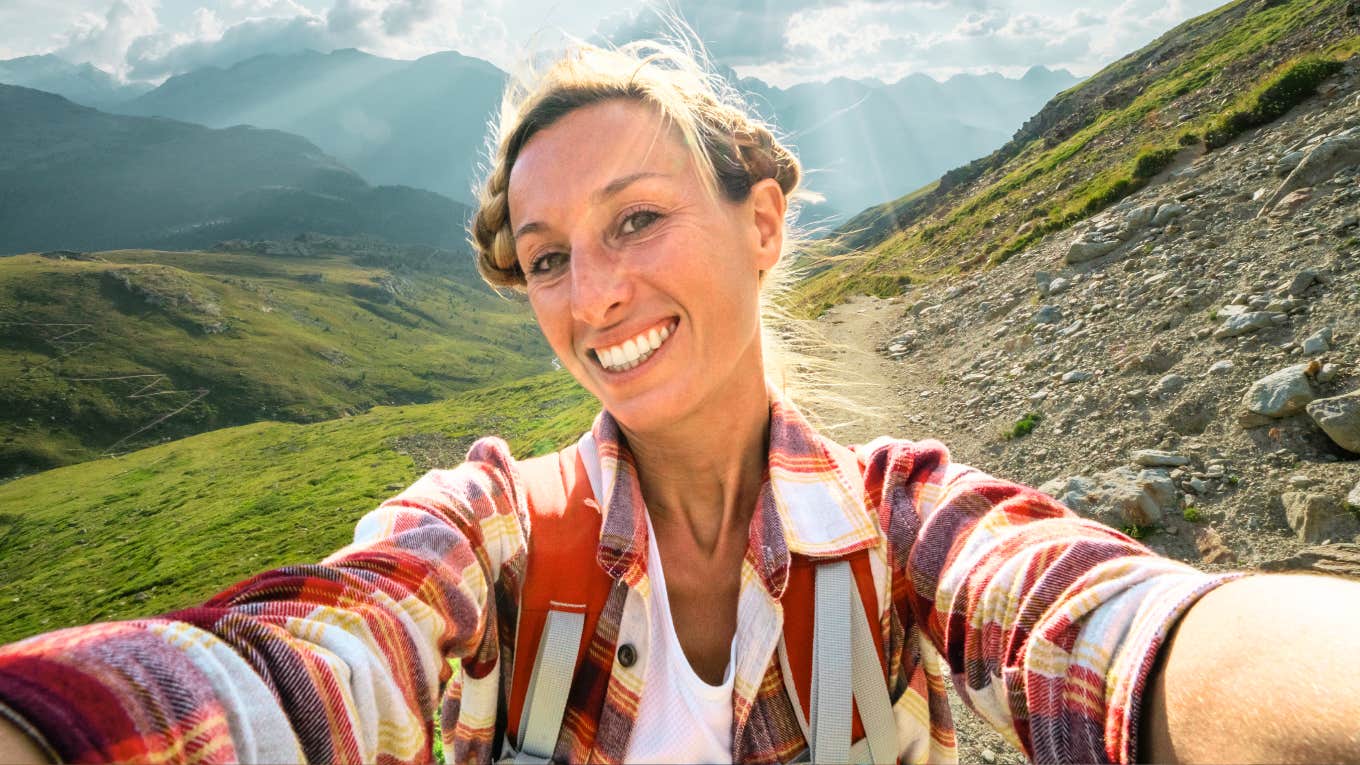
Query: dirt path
x=897, y=397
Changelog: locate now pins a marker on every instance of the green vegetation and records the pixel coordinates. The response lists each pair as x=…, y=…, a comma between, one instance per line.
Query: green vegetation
x=94, y=351
x=1092, y=146
x=1140, y=533
x=1153, y=161
x=1024, y=426
x=1191, y=514
x=167, y=526
x=1289, y=85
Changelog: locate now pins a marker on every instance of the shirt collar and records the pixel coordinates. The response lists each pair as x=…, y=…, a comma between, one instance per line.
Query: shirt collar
x=812, y=503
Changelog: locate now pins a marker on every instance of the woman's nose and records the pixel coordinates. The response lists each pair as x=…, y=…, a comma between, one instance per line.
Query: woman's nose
x=599, y=286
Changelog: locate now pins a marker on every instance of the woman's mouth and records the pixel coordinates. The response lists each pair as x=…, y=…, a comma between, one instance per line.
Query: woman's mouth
x=632, y=352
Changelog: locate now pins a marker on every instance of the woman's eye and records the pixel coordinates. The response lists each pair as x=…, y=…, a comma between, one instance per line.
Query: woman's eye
x=638, y=221
x=547, y=263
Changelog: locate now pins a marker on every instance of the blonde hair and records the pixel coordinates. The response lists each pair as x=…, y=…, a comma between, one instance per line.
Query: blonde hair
x=731, y=147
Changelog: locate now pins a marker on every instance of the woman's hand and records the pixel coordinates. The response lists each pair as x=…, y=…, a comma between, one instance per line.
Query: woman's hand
x=17, y=748
x=1262, y=669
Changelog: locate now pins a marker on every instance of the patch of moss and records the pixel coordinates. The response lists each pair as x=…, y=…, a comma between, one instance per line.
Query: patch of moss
x=1024, y=426
x=1281, y=91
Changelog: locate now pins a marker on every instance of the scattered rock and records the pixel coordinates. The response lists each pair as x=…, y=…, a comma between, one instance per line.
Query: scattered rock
x=1327, y=373
x=1049, y=314
x=1118, y=497
x=1085, y=249
x=1280, y=394
x=1304, y=281
x=1338, y=559
x=1320, y=164
x=1245, y=323
x=1353, y=498
x=1211, y=548
x=1339, y=418
x=1221, y=367
x=1170, y=384
x=1158, y=458
x=1318, y=517
x=1318, y=342
x=1076, y=376
x=1167, y=213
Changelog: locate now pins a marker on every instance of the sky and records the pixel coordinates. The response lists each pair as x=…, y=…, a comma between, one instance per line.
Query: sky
x=780, y=41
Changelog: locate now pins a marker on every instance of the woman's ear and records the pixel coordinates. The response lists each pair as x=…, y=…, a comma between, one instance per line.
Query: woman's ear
x=767, y=206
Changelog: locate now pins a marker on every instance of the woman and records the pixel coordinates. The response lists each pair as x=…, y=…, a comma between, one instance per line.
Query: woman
x=642, y=215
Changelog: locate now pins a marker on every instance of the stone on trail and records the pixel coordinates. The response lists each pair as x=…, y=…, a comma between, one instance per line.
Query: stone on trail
x=1321, y=163
x=1339, y=418
x=1244, y=323
x=1049, y=314
x=1084, y=249
x=1339, y=559
x=1304, y=281
x=1167, y=213
x=1170, y=384
x=1221, y=367
x=1318, y=517
x=1118, y=497
x=1280, y=394
x=1353, y=498
x=1318, y=342
x=1076, y=376
x=1159, y=458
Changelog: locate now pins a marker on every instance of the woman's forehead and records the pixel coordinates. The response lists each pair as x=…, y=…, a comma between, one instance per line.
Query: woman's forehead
x=578, y=158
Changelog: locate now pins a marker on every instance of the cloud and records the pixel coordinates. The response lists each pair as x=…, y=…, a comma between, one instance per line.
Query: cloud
x=735, y=32
x=394, y=28
x=103, y=40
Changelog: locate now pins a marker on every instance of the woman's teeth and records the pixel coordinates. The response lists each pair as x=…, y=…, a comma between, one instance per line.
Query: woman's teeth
x=630, y=353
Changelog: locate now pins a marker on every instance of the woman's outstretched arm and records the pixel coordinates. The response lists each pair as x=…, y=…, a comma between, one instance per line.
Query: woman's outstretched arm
x=1050, y=623
x=1265, y=669
x=339, y=661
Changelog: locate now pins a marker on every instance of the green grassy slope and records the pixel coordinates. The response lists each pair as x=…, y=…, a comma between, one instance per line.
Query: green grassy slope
x=93, y=352
x=1089, y=147
x=168, y=526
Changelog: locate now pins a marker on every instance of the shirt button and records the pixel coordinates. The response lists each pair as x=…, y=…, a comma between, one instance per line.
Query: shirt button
x=627, y=655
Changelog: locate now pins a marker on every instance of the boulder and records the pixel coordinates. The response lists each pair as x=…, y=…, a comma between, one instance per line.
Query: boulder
x=1321, y=163
x=1304, y=281
x=1244, y=323
x=1353, y=498
x=1280, y=394
x=1049, y=314
x=1318, y=517
x=1118, y=497
x=1318, y=342
x=1167, y=213
x=1158, y=458
x=1084, y=249
x=1170, y=384
x=1338, y=559
x=1140, y=216
x=1339, y=418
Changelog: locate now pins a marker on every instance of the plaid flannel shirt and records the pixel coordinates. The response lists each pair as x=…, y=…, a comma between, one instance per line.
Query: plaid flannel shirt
x=1048, y=624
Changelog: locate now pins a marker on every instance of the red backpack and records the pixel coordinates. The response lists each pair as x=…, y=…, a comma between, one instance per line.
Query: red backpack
x=558, y=617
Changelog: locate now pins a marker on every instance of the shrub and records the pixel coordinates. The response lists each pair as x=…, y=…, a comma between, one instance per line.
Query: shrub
x=1278, y=94
x=1152, y=161
x=1137, y=532
x=1191, y=514
x=1024, y=426
x=1188, y=138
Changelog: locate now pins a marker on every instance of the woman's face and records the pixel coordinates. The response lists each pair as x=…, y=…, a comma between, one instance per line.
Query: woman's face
x=645, y=284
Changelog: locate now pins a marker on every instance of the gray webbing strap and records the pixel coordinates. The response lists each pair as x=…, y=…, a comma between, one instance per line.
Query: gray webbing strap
x=838, y=604
x=831, y=654
x=871, y=692
x=545, y=701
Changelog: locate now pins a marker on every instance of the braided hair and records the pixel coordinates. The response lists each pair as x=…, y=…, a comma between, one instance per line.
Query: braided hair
x=732, y=149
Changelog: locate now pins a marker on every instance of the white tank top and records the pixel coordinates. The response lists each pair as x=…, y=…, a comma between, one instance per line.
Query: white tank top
x=681, y=718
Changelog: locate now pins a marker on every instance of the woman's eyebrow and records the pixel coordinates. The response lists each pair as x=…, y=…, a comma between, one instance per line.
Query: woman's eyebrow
x=605, y=192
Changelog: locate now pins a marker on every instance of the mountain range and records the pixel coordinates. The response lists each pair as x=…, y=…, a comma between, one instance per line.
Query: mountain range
x=72, y=177
x=423, y=123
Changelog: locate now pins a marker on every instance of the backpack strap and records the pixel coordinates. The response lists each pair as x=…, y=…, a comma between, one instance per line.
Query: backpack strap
x=827, y=629
x=561, y=598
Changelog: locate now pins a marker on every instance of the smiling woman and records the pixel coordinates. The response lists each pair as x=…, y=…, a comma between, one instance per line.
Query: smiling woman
x=702, y=577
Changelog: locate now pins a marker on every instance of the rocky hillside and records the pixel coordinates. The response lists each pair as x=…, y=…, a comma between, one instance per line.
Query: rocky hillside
x=1184, y=366
x=1191, y=90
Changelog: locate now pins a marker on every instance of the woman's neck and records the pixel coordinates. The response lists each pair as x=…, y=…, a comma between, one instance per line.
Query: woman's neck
x=701, y=478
